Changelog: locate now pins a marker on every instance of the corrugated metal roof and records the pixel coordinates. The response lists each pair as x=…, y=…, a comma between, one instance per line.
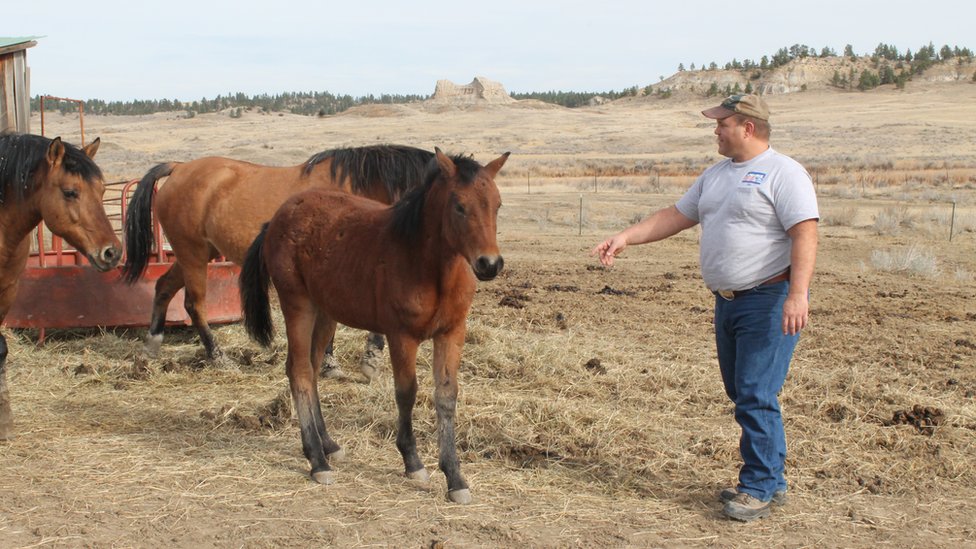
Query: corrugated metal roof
x=14, y=40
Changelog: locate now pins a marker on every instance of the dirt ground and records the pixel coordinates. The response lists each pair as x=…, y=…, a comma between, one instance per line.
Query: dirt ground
x=591, y=412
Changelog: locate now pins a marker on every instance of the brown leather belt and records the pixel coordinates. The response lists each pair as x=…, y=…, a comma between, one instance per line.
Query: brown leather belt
x=729, y=295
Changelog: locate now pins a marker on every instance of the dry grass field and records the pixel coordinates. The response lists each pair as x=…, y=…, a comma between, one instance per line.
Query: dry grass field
x=591, y=411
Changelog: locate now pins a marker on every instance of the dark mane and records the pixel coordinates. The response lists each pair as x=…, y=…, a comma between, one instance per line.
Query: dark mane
x=408, y=211
x=21, y=156
x=398, y=167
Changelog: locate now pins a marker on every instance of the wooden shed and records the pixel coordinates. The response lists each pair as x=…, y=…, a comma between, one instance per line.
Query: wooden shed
x=15, y=83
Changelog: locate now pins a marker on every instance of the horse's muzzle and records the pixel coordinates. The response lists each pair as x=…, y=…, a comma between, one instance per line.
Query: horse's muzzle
x=488, y=267
x=107, y=258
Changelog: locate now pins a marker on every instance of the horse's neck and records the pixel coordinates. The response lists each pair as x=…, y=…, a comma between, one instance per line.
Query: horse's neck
x=17, y=220
x=436, y=259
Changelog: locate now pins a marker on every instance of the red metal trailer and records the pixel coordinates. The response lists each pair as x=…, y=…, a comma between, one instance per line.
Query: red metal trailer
x=58, y=289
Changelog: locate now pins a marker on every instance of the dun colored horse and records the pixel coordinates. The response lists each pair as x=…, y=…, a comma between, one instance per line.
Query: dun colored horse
x=50, y=180
x=407, y=271
x=212, y=207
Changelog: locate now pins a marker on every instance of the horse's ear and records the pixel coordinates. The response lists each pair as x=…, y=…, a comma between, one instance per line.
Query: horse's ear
x=448, y=169
x=495, y=165
x=55, y=152
x=92, y=148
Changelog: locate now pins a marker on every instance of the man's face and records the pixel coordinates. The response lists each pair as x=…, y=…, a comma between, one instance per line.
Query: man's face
x=731, y=136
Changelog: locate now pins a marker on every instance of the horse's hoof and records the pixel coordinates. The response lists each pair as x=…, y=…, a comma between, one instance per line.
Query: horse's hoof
x=220, y=361
x=338, y=455
x=331, y=372
x=420, y=475
x=152, y=344
x=6, y=416
x=330, y=361
x=369, y=371
x=462, y=496
x=324, y=477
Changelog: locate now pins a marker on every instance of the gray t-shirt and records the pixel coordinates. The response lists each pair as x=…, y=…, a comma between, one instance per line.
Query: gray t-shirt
x=745, y=210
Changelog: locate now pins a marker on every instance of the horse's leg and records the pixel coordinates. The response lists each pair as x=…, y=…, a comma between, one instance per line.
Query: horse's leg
x=322, y=337
x=330, y=365
x=403, y=355
x=300, y=325
x=195, y=303
x=372, y=359
x=6, y=414
x=447, y=356
x=7, y=296
x=166, y=288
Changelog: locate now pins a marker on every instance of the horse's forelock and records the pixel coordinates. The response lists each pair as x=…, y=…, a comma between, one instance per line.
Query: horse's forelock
x=467, y=169
x=78, y=163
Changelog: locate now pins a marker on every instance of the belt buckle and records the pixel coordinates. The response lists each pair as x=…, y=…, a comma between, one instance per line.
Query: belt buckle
x=727, y=295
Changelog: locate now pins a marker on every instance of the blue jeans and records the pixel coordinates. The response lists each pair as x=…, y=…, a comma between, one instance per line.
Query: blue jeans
x=754, y=356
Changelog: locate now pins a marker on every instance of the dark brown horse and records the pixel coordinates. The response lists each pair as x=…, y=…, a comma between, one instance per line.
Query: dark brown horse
x=50, y=180
x=407, y=271
x=212, y=207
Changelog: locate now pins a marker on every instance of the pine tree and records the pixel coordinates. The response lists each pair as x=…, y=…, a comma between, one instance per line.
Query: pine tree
x=887, y=74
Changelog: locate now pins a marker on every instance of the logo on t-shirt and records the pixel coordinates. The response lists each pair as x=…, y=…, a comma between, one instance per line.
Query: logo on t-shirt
x=753, y=178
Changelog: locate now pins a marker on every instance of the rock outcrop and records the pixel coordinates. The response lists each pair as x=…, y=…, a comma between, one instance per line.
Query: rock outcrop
x=480, y=90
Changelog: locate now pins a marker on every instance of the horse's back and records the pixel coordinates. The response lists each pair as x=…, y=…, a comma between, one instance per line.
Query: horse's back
x=222, y=202
x=324, y=242
x=336, y=219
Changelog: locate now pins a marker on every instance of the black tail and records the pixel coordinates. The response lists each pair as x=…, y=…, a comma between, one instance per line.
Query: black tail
x=138, y=223
x=253, y=285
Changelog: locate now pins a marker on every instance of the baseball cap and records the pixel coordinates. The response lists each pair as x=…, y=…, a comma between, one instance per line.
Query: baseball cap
x=749, y=105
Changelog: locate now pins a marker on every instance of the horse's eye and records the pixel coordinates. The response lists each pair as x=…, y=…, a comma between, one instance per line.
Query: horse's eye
x=69, y=194
x=459, y=209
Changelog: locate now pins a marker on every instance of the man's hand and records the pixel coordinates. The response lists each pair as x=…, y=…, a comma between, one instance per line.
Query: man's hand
x=796, y=313
x=607, y=250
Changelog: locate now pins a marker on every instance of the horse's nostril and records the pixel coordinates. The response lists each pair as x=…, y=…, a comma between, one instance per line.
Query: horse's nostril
x=488, y=267
x=111, y=254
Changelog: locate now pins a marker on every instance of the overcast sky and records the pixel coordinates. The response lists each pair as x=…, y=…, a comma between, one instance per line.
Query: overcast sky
x=178, y=49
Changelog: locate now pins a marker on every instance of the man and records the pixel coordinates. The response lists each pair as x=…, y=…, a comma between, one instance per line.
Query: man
x=758, y=213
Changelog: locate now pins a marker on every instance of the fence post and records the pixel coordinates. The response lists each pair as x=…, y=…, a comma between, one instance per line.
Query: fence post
x=581, y=215
x=952, y=220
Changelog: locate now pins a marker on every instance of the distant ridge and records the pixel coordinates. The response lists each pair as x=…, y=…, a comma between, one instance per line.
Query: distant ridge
x=807, y=74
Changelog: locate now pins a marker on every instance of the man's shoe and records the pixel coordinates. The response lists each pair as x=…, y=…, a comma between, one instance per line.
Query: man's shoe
x=745, y=508
x=779, y=496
